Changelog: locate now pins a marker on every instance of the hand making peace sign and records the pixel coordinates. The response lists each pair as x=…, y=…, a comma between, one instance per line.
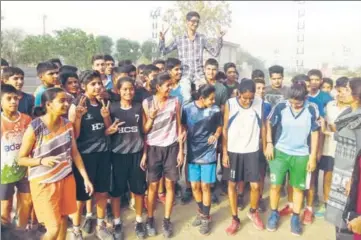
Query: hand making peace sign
x=104, y=111
x=81, y=109
x=115, y=126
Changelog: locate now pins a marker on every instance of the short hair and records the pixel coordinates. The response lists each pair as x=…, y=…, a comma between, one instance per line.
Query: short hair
x=56, y=61
x=68, y=68
x=159, y=61
x=257, y=73
x=149, y=69
x=141, y=67
x=108, y=58
x=7, y=88
x=11, y=71
x=124, y=69
x=212, y=61
x=172, y=63
x=192, y=14
x=355, y=85
x=87, y=76
x=64, y=76
x=228, y=66
x=247, y=85
x=300, y=78
x=315, y=72
x=261, y=81
x=122, y=80
x=329, y=81
x=298, y=91
x=220, y=76
x=275, y=69
x=97, y=57
x=124, y=62
x=4, y=63
x=45, y=66
x=342, y=82
x=204, y=91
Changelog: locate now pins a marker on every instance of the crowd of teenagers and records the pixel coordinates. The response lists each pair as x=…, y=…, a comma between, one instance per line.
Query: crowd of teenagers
x=99, y=137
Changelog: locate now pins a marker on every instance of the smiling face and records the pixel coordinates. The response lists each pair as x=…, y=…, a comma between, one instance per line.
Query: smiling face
x=94, y=87
x=165, y=88
x=176, y=73
x=210, y=71
x=17, y=81
x=193, y=23
x=127, y=91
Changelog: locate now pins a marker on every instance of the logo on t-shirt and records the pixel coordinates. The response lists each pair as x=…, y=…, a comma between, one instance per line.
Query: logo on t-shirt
x=88, y=116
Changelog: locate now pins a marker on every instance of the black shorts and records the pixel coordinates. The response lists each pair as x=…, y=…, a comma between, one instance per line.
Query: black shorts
x=126, y=170
x=263, y=164
x=97, y=166
x=162, y=161
x=244, y=167
x=326, y=163
x=7, y=190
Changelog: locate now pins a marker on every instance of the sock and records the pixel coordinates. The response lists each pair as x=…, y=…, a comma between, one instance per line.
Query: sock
x=206, y=210
x=76, y=228
x=116, y=221
x=251, y=210
x=138, y=219
x=309, y=208
x=89, y=215
x=290, y=204
x=235, y=218
x=200, y=206
x=100, y=221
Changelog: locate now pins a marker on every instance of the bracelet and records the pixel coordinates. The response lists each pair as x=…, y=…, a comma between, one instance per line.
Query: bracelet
x=41, y=159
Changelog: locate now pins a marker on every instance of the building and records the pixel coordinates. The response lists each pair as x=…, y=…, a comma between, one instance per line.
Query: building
x=228, y=53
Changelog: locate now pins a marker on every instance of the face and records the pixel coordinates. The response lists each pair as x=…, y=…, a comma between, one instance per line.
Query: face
x=99, y=65
x=133, y=75
x=315, y=82
x=50, y=78
x=72, y=85
x=210, y=72
x=296, y=104
x=94, y=88
x=210, y=100
x=260, y=90
x=161, y=67
x=344, y=95
x=276, y=80
x=60, y=104
x=127, y=91
x=165, y=88
x=17, y=81
x=151, y=76
x=193, y=23
x=326, y=87
x=231, y=74
x=176, y=73
x=245, y=99
x=308, y=86
x=141, y=75
x=109, y=65
x=10, y=102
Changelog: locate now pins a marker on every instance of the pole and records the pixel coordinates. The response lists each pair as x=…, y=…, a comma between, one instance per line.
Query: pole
x=154, y=14
x=300, y=50
x=44, y=19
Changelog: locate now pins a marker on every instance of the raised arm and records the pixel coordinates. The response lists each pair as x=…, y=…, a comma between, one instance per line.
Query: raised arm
x=165, y=50
x=213, y=50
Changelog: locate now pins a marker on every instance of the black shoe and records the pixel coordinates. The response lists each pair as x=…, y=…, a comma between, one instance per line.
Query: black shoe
x=88, y=225
x=167, y=228
x=187, y=196
x=118, y=231
x=140, y=230
x=240, y=202
x=151, y=231
x=214, y=198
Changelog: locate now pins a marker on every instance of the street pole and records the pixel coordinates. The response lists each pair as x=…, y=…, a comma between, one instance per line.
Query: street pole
x=300, y=49
x=44, y=19
x=154, y=14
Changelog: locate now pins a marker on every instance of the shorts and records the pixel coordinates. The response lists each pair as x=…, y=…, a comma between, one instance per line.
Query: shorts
x=97, y=165
x=243, y=167
x=296, y=165
x=326, y=163
x=52, y=201
x=7, y=190
x=205, y=173
x=263, y=164
x=162, y=161
x=126, y=170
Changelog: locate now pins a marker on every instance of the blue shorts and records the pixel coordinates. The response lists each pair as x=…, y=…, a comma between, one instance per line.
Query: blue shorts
x=205, y=173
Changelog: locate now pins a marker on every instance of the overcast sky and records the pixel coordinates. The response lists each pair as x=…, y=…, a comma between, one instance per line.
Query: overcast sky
x=259, y=27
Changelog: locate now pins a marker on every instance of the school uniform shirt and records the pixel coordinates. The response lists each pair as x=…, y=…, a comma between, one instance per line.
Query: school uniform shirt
x=201, y=124
x=320, y=99
x=293, y=129
x=244, y=126
x=12, y=133
x=129, y=138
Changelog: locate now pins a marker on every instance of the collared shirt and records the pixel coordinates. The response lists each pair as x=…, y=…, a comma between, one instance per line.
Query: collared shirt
x=191, y=53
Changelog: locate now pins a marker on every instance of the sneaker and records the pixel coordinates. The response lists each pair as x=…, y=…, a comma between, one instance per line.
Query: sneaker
x=234, y=227
x=76, y=235
x=296, y=228
x=167, y=228
x=103, y=233
x=178, y=190
x=118, y=231
x=150, y=227
x=321, y=211
x=240, y=202
x=273, y=220
x=205, y=228
x=262, y=206
x=161, y=198
x=286, y=211
x=197, y=221
x=307, y=217
x=215, y=199
x=187, y=196
x=140, y=230
x=257, y=221
x=88, y=225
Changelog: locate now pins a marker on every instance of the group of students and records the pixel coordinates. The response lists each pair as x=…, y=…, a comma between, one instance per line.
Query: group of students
x=111, y=130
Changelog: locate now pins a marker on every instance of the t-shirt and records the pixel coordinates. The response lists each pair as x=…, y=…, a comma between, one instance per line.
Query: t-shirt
x=244, y=126
x=332, y=112
x=273, y=96
x=113, y=97
x=38, y=93
x=129, y=138
x=231, y=88
x=176, y=92
x=109, y=83
x=141, y=94
x=221, y=94
x=12, y=133
x=26, y=104
x=267, y=107
x=293, y=129
x=320, y=99
x=201, y=124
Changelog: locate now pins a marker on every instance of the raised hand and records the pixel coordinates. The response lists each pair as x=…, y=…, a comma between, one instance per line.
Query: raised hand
x=153, y=112
x=104, y=111
x=115, y=126
x=81, y=109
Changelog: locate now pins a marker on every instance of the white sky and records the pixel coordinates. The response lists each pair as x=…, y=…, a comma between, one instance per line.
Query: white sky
x=259, y=27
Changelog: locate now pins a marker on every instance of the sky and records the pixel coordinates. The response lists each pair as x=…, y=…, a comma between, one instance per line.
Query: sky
x=260, y=27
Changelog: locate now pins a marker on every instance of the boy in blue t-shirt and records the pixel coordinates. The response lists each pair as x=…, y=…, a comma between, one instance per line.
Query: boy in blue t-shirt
x=173, y=66
x=48, y=75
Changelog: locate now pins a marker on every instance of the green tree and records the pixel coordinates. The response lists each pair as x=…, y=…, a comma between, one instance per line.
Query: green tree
x=35, y=49
x=10, y=44
x=76, y=47
x=127, y=49
x=104, y=44
x=146, y=49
